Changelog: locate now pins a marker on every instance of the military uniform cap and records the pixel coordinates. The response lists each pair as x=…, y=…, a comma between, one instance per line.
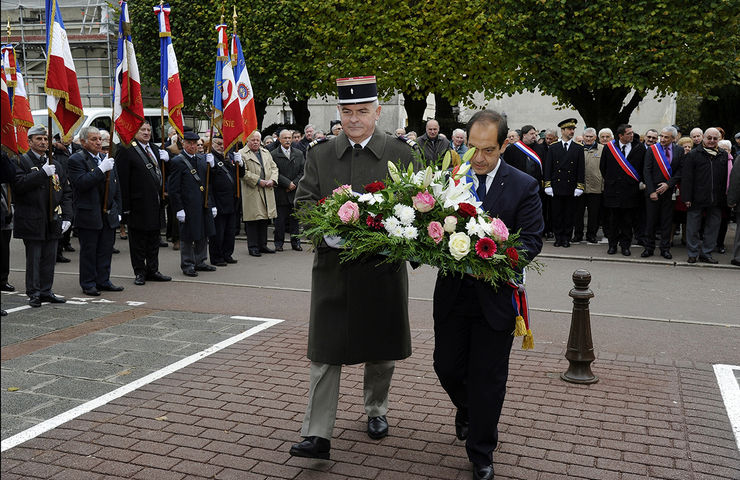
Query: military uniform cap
x=36, y=130
x=355, y=90
x=568, y=123
x=190, y=135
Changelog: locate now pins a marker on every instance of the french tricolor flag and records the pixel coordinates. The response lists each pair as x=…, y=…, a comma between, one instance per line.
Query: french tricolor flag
x=128, y=108
x=243, y=88
x=19, y=105
x=227, y=115
x=169, y=84
x=7, y=129
x=62, y=91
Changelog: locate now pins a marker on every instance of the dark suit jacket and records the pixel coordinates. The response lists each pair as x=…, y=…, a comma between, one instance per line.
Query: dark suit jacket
x=289, y=170
x=141, y=188
x=519, y=160
x=186, y=194
x=653, y=175
x=513, y=197
x=88, y=191
x=223, y=185
x=621, y=190
x=565, y=171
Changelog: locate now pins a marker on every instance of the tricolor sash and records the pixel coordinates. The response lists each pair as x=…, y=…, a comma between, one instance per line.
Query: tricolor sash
x=622, y=161
x=662, y=160
x=529, y=152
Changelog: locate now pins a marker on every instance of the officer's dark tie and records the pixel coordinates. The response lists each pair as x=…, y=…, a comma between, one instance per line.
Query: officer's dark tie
x=358, y=148
x=565, y=146
x=481, y=190
x=624, y=147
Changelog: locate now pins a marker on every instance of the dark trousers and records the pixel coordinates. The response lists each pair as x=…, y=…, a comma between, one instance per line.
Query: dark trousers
x=41, y=258
x=173, y=226
x=592, y=203
x=620, y=227
x=285, y=222
x=64, y=241
x=563, y=207
x=546, y=211
x=96, y=250
x=192, y=253
x=639, y=222
x=5, y=255
x=221, y=245
x=144, y=250
x=472, y=363
x=256, y=234
x=659, y=214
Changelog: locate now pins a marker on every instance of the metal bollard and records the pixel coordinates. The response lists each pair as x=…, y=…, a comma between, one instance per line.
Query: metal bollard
x=580, y=351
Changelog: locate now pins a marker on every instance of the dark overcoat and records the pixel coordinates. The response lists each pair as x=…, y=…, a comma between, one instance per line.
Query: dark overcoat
x=564, y=171
x=223, y=183
x=620, y=189
x=289, y=170
x=88, y=190
x=519, y=160
x=141, y=186
x=359, y=310
x=188, y=193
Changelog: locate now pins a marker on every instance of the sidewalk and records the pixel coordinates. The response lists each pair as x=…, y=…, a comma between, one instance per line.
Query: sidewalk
x=235, y=413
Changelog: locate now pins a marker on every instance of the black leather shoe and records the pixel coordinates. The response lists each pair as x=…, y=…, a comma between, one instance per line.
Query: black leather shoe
x=577, y=239
x=557, y=244
x=62, y=259
x=612, y=250
x=461, y=425
x=708, y=259
x=482, y=472
x=140, y=280
x=691, y=260
x=110, y=288
x=591, y=239
x=255, y=252
x=115, y=250
x=666, y=254
x=219, y=264
x=91, y=292
x=68, y=248
x=35, y=302
x=735, y=262
x=3, y=313
x=549, y=235
x=646, y=253
x=312, y=447
x=205, y=268
x=296, y=246
x=158, y=277
x=230, y=260
x=6, y=287
x=162, y=243
x=566, y=244
x=278, y=248
x=190, y=273
x=377, y=427
x=52, y=299
x=626, y=251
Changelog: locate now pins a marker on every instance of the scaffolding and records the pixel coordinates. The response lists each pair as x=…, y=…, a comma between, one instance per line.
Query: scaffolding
x=92, y=35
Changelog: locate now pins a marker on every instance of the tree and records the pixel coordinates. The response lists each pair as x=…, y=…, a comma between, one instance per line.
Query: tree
x=602, y=57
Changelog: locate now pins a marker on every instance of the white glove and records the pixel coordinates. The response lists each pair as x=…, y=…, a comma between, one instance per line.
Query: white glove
x=65, y=225
x=642, y=186
x=164, y=156
x=548, y=190
x=180, y=216
x=577, y=192
x=49, y=169
x=106, y=165
x=209, y=159
x=214, y=211
x=238, y=159
x=119, y=218
x=334, y=241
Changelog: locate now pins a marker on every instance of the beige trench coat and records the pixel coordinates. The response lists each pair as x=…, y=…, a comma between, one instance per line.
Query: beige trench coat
x=258, y=203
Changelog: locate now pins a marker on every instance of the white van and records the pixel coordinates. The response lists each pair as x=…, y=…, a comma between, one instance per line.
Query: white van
x=100, y=118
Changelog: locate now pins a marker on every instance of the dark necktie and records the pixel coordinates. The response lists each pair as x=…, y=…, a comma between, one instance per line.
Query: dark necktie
x=624, y=150
x=565, y=146
x=357, y=149
x=668, y=154
x=481, y=190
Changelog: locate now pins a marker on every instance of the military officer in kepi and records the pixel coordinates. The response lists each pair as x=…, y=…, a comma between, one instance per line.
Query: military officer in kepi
x=359, y=311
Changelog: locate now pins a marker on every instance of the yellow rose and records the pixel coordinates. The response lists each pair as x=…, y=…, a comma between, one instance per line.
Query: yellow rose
x=459, y=245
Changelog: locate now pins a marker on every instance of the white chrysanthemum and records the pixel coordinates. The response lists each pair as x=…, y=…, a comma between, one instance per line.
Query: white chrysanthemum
x=410, y=232
x=370, y=198
x=404, y=213
x=393, y=226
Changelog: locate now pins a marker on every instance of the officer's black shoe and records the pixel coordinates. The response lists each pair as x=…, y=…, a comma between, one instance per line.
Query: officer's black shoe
x=482, y=472
x=566, y=243
x=707, y=259
x=115, y=250
x=109, y=287
x=34, y=302
x=158, y=277
x=190, y=272
x=6, y=287
x=140, y=280
x=68, y=248
x=296, y=246
x=646, y=253
x=591, y=239
x=230, y=260
x=270, y=250
x=312, y=447
x=612, y=250
x=626, y=251
x=255, y=252
x=52, y=299
x=62, y=259
x=666, y=254
x=205, y=268
x=91, y=292
x=377, y=427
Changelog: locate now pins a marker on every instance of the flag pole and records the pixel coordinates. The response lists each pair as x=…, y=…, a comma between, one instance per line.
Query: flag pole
x=238, y=181
x=161, y=118
x=51, y=178
x=210, y=137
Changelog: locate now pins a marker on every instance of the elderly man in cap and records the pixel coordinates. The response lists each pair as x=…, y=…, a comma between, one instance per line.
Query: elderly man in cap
x=564, y=176
x=97, y=206
x=194, y=206
x=43, y=211
x=359, y=311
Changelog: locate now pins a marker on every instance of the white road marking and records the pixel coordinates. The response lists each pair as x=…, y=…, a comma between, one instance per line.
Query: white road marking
x=86, y=407
x=103, y=300
x=728, y=386
x=18, y=309
x=131, y=303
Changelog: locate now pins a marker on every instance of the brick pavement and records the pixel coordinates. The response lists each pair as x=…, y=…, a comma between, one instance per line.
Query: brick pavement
x=235, y=414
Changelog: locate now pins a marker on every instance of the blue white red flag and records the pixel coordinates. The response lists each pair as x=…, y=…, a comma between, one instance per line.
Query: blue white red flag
x=227, y=114
x=128, y=108
x=170, y=89
x=243, y=88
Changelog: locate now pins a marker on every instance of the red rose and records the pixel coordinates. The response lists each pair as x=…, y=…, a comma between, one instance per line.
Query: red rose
x=321, y=202
x=485, y=247
x=467, y=210
x=376, y=222
x=513, y=256
x=374, y=187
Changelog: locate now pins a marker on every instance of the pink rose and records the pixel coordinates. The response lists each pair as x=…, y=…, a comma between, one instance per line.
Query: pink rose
x=423, y=201
x=349, y=212
x=499, y=231
x=436, y=231
x=343, y=189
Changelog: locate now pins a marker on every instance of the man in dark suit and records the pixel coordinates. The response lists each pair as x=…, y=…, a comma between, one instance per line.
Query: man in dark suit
x=187, y=191
x=223, y=185
x=621, y=167
x=662, y=171
x=473, y=322
x=141, y=195
x=564, y=178
x=43, y=211
x=96, y=198
x=289, y=161
x=63, y=148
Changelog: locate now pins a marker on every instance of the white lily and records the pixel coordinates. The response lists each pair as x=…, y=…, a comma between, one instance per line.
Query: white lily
x=393, y=171
x=462, y=171
x=370, y=198
x=428, y=176
x=454, y=195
